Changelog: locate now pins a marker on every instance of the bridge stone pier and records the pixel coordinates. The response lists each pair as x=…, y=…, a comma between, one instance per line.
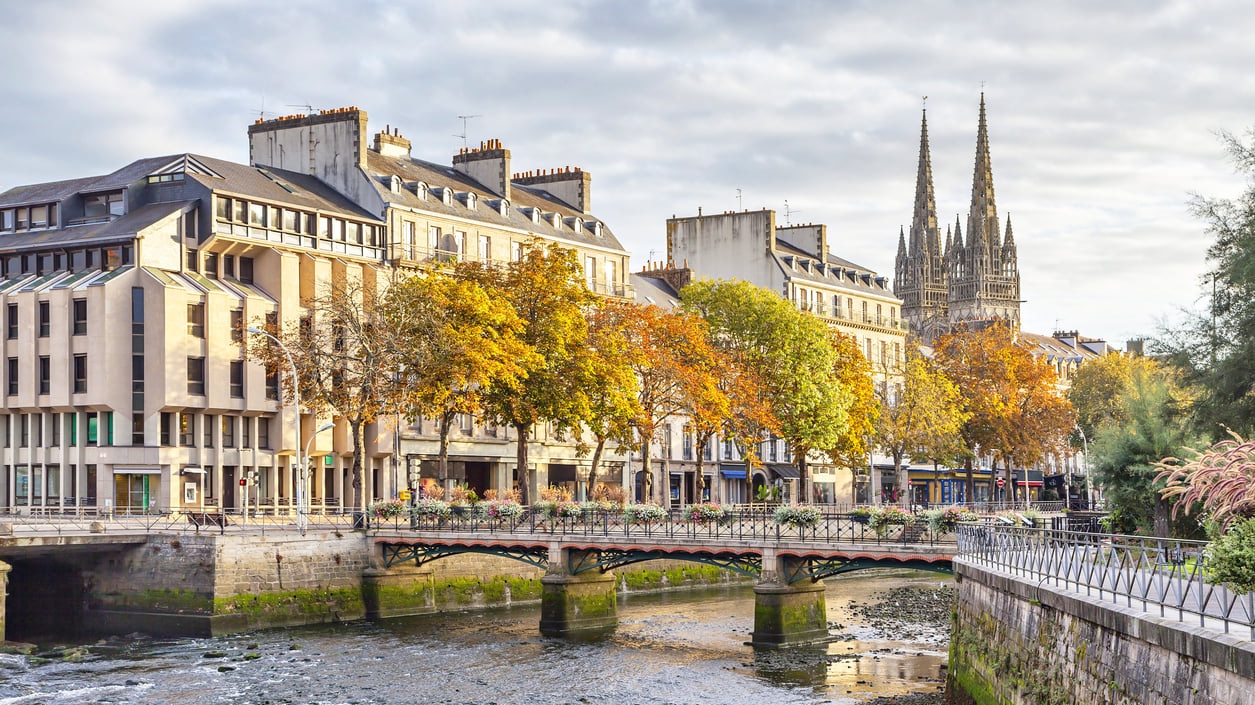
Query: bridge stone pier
x=787, y=614
x=583, y=604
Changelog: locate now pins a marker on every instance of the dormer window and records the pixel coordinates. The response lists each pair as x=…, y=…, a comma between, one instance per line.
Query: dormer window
x=420, y=190
x=503, y=208
x=99, y=205
x=595, y=226
x=446, y=196
x=555, y=220
x=470, y=201
x=535, y=215
x=394, y=183
x=577, y=224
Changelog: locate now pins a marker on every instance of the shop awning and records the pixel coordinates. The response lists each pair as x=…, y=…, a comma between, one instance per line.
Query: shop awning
x=733, y=474
x=154, y=470
x=784, y=471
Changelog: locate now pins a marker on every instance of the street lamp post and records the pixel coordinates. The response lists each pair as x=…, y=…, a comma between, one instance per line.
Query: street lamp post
x=296, y=420
x=301, y=511
x=1089, y=483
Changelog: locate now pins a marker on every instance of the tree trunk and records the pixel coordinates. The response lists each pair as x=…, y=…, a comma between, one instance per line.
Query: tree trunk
x=647, y=472
x=525, y=494
x=355, y=425
x=969, y=490
x=903, y=477
x=805, y=492
x=592, y=472
x=699, y=482
x=1163, y=527
x=442, y=466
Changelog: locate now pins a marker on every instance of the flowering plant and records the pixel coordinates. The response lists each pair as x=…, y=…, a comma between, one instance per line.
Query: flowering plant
x=942, y=520
x=431, y=508
x=388, y=508
x=798, y=517
x=644, y=513
x=569, y=510
x=887, y=516
x=707, y=514
x=499, y=509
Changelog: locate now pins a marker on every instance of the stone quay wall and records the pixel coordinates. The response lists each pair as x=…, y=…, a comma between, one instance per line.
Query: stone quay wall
x=1020, y=643
x=215, y=584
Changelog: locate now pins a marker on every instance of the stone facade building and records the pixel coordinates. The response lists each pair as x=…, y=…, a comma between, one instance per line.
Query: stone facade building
x=970, y=280
x=124, y=297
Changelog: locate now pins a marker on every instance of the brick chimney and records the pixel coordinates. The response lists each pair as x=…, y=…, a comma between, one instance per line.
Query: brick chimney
x=390, y=143
x=489, y=165
x=570, y=185
x=310, y=144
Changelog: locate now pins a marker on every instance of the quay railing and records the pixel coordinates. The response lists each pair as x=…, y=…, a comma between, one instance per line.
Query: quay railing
x=1167, y=577
x=81, y=520
x=738, y=523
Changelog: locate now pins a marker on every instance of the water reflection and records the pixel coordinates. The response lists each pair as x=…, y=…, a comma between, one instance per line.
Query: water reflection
x=676, y=648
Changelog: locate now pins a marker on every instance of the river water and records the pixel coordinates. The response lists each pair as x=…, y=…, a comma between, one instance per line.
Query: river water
x=673, y=648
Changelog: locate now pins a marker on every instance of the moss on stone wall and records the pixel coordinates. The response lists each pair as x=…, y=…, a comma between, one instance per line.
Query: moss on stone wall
x=294, y=606
x=169, y=600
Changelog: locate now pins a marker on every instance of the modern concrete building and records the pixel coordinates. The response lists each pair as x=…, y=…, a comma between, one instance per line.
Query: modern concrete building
x=125, y=297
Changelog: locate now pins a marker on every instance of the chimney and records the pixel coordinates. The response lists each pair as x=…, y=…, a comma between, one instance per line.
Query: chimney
x=570, y=185
x=489, y=165
x=390, y=143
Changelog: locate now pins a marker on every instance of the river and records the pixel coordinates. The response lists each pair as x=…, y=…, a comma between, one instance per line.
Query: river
x=672, y=648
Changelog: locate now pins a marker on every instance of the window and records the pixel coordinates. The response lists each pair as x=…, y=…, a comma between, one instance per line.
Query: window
x=237, y=325
x=257, y=214
x=228, y=431
x=196, y=375
x=167, y=420
x=193, y=261
x=45, y=319
x=263, y=433
x=516, y=251
x=12, y=376
x=246, y=270
x=407, y=240
x=93, y=429
x=246, y=432
x=272, y=384
x=80, y=316
x=187, y=429
x=196, y=320
x=208, y=428
x=54, y=430
x=590, y=272
x=80, y=373
x=137, y=429
x=237, y=379
x=45, y=374
x=485, y=248
x=211, y=265
x=12, y=322
x=228, y=266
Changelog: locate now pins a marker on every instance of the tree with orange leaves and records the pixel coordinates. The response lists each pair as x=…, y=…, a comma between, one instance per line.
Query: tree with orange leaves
x=1017, y=414
x=674, y=363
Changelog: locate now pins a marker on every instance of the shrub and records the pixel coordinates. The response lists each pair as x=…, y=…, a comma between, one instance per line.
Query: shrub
x=567, y=509
x=610, y=494
x=1231, y=558
x=554, y=493
x=462, y=494
x=431, y=508
x=388, y=508
x=499, y=509
x=798, y=517
x=1220, y=478
x=707, y=514
x=644, y=513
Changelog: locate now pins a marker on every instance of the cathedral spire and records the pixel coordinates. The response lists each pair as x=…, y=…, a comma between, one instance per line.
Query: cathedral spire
x=982, y=216
x=1009, y=240
x=901, y=242
x=924, y=240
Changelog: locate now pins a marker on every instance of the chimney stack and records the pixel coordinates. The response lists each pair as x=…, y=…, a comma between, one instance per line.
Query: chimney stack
x=570, y=185
x=390, y=143
x=489, y=165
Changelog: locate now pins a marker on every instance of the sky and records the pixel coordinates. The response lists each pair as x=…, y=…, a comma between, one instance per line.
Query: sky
x=1103, y=117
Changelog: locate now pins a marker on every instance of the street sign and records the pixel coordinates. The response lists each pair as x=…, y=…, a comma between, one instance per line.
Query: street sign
x=1001, y=482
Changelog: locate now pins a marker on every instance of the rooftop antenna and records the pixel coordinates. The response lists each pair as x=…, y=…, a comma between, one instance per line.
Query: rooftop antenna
x=788, y=212
x=309, y=109
x=262, y=112
x=464, y=118
x=738, y=199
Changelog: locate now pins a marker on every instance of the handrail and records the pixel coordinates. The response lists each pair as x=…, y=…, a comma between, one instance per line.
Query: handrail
x=1165, y=576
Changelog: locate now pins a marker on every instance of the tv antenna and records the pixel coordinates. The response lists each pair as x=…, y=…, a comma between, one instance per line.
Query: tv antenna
x=464, y=118
x=789, y=211
x=309, y=109
x=738, y=199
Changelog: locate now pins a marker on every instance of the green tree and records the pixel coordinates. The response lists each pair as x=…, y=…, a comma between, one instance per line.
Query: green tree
x=853, y=371
x=789, y=351
x=1152, y=424
x=1216, y=350
x=545, y=285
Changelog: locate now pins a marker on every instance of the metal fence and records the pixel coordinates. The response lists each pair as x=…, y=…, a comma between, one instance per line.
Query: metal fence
x=740, y=523
x=1167, y=577
x=92, y=521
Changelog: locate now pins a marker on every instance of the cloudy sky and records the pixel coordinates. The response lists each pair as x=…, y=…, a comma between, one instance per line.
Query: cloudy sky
x=1102, y=116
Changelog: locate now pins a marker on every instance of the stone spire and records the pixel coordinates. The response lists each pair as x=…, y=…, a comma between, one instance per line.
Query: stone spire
x=924, y=221
x=982, y=215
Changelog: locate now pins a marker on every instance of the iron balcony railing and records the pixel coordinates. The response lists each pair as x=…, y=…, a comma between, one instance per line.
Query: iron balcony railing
x=1167, y=577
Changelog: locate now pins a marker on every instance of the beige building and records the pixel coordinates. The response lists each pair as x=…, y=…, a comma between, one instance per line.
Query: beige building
x=125, y=295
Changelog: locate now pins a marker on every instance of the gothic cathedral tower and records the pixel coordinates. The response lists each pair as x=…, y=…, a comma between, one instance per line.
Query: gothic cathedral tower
x=921, y=275
x=971, y=282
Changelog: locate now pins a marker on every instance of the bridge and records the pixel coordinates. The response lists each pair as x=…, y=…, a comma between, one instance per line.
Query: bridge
x=580, y=552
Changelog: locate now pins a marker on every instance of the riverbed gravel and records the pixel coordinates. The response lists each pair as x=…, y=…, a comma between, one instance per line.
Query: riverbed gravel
x=918, y=614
